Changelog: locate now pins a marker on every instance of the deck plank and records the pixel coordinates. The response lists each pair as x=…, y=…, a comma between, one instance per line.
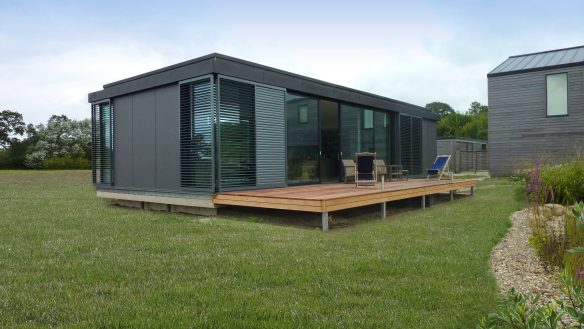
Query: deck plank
x=331, y=197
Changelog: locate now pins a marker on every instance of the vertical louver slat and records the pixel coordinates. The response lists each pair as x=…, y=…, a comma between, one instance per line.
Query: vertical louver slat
x=416, y=146
x=270, y=136
x=411, y=143
x=405, y=131
x=196, y=134
x=237, y=141
x=102, y=143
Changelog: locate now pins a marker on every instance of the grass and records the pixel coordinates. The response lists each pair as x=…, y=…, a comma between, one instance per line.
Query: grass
x=69, y=259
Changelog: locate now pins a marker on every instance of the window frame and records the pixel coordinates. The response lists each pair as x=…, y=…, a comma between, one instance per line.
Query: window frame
x=567, y=96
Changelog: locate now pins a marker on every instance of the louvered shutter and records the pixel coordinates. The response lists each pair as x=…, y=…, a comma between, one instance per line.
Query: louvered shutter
x=197, y=134
x=102, y=143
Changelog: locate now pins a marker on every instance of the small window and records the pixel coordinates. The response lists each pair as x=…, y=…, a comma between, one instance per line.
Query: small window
x=303, y=113
x=367, y=119
x=557, y=94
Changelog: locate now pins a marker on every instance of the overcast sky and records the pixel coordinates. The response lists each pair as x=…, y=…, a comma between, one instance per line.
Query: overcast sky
x=53, y=53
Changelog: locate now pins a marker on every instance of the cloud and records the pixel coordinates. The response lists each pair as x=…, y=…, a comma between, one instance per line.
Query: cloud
x=419, y=51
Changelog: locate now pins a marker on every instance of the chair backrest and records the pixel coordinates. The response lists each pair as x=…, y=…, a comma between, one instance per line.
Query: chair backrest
x=365, y=163
x=380, y=167
x=349, y=166
x=440, y=162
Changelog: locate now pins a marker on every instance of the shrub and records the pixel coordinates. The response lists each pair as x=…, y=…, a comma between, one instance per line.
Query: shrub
x=525, y=311
x=66, y=163
x=567, y=181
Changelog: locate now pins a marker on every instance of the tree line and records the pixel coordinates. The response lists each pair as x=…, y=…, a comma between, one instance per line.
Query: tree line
x=61, y=143
x=473, y=123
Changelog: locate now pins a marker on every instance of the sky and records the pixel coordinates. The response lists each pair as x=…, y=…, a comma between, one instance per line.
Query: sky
x=53, y=53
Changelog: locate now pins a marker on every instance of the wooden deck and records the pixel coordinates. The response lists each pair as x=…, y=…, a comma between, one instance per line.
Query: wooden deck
x=325, y=198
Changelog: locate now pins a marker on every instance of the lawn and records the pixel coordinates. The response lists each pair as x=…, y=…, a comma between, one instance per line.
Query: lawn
x=69, y=259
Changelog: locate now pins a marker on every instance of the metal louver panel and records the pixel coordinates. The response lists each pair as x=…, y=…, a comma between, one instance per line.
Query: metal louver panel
x=405, y=141
x=237, y=140
x=270, y=136
x=102, y=143
x=416, y=146
x=411, y=143
x=196, y=134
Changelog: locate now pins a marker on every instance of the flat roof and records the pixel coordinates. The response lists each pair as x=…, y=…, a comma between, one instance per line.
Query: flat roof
x=543, y=60
x=238, y=68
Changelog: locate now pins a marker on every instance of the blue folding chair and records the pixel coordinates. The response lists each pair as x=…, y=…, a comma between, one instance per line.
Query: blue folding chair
x=440, y=167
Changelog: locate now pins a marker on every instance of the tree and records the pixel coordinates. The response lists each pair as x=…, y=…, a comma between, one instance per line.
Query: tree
x=477, y=108
x=441, y=109
x=61, y=137
x=11, y=123
x=452, y=125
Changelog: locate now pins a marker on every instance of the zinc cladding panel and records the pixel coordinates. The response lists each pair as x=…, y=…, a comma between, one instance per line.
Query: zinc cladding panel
x=144, y=139
x=167, y=148
x=270, y=136
x=123, y=161
x=519, y=130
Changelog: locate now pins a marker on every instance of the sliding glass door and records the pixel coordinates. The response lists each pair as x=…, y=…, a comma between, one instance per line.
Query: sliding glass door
x=302, y=139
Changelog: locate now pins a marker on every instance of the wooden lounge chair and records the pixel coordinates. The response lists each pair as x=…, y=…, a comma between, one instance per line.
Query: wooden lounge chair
x=440, y=168
x=365, y=169
x=380, y=169
x=348, y=169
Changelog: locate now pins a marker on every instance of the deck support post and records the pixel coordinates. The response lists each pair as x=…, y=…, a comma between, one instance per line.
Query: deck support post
x=383, y=209
x=423, y=202
x=472, y=191
x=451, y=195
x=382, y=182
x=325, y=220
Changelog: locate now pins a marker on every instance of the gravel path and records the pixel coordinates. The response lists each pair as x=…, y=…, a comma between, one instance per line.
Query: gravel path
x=515, y=263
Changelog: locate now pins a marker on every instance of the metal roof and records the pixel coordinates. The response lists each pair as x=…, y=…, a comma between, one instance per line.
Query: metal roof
x=544, y=60
x=238, y=68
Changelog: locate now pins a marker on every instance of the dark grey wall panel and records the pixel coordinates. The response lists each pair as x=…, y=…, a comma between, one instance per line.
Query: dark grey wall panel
x=519, y=130
x=429, y=144
x=167, y=138
x=270, y=137
x=123, y=141
x=144, y=139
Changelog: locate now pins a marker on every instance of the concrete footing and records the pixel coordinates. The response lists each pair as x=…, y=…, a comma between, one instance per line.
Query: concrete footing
x=128, y=203
x=194, y=210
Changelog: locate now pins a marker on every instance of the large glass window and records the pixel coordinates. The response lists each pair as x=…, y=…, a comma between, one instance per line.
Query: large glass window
x=557, y=94
x=102, y=142
x=365, y=130
x=302, y=139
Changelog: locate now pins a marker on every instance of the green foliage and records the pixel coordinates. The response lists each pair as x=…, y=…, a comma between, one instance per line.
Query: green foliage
x=441, y=109
x=60, y=138
x=477, y=108
x=525, y=311
x=567, y=181
x=11, y=124
x=472, y=124
x=66, y=163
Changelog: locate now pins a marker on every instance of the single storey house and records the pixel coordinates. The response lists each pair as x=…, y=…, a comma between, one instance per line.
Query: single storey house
x=536, y=109
x=181, y=134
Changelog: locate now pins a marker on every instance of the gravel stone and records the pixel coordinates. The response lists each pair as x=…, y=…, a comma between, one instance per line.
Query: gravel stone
x=515, y=264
